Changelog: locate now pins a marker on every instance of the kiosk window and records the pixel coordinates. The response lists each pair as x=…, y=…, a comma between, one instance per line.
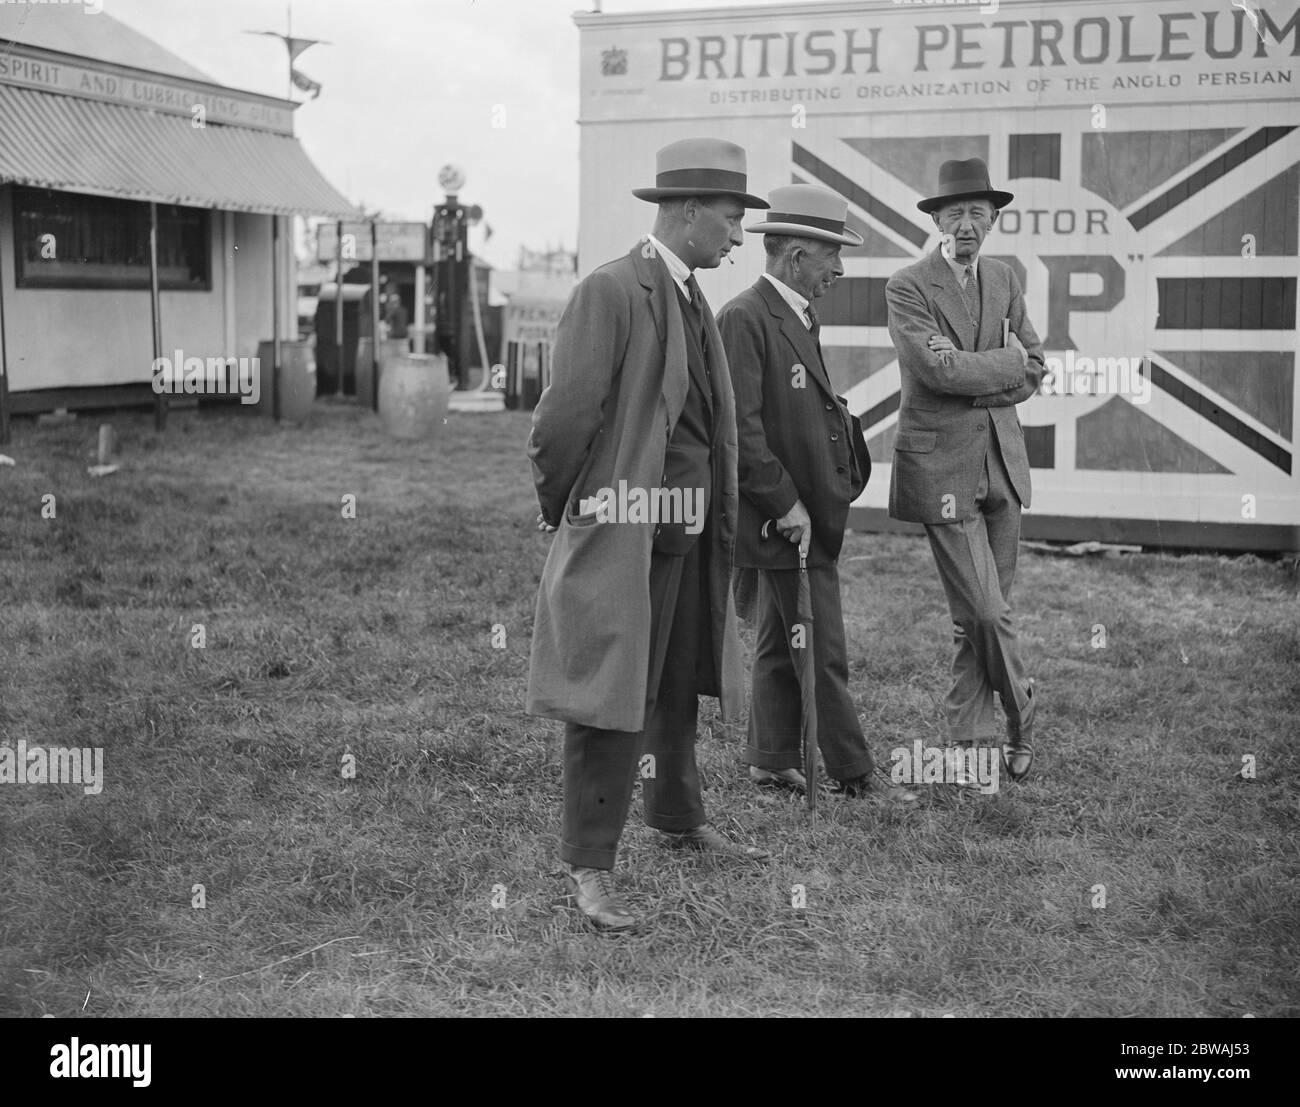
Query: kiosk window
x=68, y=240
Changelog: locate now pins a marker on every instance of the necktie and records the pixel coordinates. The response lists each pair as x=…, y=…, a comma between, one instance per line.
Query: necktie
x=697, y=300
x=814, y=324
x=970, y=289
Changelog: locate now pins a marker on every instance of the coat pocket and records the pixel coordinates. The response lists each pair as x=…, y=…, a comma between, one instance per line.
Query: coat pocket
x=915, y=442
x=587, y=519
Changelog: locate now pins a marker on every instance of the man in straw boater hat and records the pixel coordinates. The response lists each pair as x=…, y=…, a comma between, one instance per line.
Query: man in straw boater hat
x=967, y=354
x=802, y=462
x=634, y=612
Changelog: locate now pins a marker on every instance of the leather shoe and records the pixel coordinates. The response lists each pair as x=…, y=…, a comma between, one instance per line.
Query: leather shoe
x=778, y=778
x=871, y=787
x=592, y=891
x=1018, y=753
x=708, y=840
x=1018, y=758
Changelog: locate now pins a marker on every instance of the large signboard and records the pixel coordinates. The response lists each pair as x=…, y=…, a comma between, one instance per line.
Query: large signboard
x=928, y=56
x=531, y=321
x=31, y=67
x=1154, y=154
x=396, y=241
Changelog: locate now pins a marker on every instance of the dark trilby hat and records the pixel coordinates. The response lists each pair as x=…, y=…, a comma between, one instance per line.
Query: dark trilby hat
x=964, y=180
x=807, y=211
x=700, y=167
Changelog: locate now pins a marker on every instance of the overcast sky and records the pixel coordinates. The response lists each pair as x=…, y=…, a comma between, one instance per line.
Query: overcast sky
x=408, y=86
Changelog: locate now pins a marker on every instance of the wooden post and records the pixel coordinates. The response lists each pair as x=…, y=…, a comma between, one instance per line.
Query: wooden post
x=275, y=317
x=373, y=398
x=419, y=316
x=4, y=368
x=338, y=310
x=159, y=398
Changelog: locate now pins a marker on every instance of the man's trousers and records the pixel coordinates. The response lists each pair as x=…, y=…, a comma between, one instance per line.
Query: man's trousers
x=976, y=558
x=601, y=766
x=774, y=703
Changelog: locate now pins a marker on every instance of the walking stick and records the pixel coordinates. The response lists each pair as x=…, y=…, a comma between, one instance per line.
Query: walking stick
x=806, y=670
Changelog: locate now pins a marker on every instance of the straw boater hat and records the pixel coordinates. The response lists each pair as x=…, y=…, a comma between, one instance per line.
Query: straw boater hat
x=700, y=167
x=808, y=212
x=964, y=180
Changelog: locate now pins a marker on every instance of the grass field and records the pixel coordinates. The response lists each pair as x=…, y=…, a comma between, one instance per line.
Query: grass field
x=329, y=639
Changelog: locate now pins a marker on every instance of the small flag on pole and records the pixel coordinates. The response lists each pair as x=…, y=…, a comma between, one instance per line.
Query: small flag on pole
x=303, y=83
x=295, y=46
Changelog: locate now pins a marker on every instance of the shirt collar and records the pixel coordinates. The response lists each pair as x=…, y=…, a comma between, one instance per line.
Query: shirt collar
x=676, y=267
x=959, y=268
x=796, y=300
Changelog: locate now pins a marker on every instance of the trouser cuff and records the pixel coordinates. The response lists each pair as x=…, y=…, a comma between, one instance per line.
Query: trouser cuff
x=852, y=769
x=772, y=761
x=588, y=858
x=675, y=824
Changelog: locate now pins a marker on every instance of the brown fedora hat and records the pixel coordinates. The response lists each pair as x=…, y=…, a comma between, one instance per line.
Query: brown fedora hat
x=964, y=180
x=700, y=167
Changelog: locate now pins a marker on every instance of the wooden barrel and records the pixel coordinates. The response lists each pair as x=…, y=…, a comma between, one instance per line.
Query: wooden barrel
x=413, y=394
x=389, y=348
x=297, y=379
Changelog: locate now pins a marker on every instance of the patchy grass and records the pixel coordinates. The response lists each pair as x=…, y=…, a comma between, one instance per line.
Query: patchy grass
x=373, y=637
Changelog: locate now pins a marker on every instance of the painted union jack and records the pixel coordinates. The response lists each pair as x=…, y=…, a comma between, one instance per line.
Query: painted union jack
x=1172, y=248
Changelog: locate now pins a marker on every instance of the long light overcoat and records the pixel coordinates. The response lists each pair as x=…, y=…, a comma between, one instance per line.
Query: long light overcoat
x=618, y=385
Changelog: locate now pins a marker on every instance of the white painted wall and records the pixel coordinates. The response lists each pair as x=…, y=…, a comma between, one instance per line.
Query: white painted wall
x=67, y=338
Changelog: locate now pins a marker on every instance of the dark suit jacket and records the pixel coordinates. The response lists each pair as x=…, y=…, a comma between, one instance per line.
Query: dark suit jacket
x=952, y=405
x=795, y=443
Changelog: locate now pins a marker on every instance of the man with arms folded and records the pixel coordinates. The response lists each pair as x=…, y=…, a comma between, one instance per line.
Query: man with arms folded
x=967, y=354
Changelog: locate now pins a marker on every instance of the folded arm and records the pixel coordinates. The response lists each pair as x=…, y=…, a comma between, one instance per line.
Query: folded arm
x=1023, y=329
x=950, y=373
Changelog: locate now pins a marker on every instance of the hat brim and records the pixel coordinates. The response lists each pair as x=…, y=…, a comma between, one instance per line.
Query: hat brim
x=933, y=203
x=801, y=230
x=654, y=195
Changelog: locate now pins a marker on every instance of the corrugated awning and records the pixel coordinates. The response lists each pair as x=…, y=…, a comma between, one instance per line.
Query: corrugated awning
x=77, y=145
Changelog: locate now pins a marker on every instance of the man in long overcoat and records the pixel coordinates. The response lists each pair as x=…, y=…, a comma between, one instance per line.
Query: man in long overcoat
x=633, y=448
